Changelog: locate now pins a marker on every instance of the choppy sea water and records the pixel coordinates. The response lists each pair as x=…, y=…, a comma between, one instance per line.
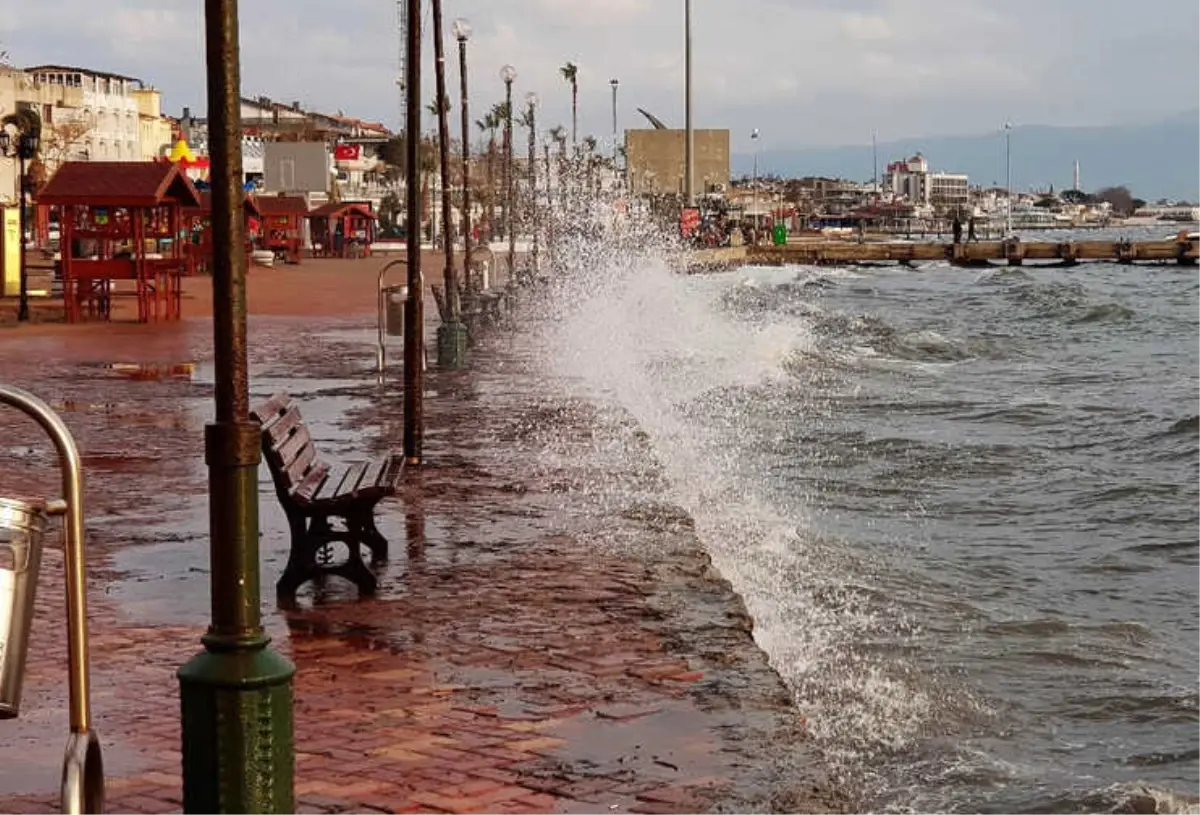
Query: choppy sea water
x=961, y=506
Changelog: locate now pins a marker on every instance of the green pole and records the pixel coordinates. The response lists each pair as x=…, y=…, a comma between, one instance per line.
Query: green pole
x=236, y=695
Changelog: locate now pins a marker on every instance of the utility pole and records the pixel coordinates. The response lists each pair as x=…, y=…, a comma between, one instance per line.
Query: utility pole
x=236, y=695
x=689, y=157
x=874, y=166
x=414, y=307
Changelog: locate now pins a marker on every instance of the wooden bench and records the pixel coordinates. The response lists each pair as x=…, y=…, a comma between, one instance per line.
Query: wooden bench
x=313, y=493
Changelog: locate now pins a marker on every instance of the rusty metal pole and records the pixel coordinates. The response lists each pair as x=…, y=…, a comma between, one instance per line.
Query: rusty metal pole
x=452, y=334
x=236, y=695
x=508, y=74
x=462, y=32
x=414, y=308
x=531, y=99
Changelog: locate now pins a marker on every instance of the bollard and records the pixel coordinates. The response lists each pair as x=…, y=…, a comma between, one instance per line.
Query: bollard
x=21, y=529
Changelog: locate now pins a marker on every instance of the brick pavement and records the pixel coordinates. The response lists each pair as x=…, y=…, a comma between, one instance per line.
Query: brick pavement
x=508, y=664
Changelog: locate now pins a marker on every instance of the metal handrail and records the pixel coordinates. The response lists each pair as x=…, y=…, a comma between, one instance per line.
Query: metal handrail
x=82, y=786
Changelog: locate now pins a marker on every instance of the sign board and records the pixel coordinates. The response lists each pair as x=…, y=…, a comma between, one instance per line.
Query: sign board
x=689, y=221
x=10, y=260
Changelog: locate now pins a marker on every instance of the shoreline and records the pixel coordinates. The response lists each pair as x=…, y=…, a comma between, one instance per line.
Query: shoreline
x=509, y=663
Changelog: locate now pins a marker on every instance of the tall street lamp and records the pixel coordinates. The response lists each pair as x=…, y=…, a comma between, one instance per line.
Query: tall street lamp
x=462, y=32
x=236, y=695
x=1007, y=179
x=531, y=100
x=452, y=334
x=20, y=136
x=615, y=84
x=508, y=73
x=689, y=152
x=754, y=183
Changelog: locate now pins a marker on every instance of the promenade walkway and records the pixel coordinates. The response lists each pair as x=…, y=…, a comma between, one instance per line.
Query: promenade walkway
x=527, y=652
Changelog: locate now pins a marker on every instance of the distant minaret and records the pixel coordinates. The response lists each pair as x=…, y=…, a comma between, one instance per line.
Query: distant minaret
x=1075, y=181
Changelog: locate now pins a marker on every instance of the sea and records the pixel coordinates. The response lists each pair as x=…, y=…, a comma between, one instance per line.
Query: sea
x=961, y=505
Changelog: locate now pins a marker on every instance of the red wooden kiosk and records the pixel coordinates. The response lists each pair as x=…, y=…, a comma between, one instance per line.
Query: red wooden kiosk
x=344, y=229
x=120, y=221
x=198, y=224
x=283, y=225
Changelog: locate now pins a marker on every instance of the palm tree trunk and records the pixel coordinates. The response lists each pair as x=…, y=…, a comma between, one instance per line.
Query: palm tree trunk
x=574, y=112
x=491, y=188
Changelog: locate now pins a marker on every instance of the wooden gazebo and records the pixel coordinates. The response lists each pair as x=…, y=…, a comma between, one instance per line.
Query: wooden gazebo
x=283, y=225
x=342, y=229
x=198, y=224
x=121, y=221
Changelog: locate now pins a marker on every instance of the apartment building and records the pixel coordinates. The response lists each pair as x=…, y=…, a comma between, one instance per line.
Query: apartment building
x=106, y=110
x=155, y=131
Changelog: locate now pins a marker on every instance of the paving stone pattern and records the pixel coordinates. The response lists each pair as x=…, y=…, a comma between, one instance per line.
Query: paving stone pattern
x=506, y=665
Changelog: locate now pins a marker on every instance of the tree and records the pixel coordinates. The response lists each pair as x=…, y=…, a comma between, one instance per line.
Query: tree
x=61, y=141
x=1120, y=198
x=570, y=73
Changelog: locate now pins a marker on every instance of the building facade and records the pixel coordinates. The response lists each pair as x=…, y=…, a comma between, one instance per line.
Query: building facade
x=154, y=130
x=655, y=161
x=107, y=115
x=911, y=180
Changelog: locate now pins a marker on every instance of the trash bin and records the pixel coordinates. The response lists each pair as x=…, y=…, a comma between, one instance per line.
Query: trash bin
x=779, y=234
x=22, y=527
x=394, y=298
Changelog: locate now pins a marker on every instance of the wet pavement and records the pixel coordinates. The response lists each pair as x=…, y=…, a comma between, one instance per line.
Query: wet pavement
x=528, y=651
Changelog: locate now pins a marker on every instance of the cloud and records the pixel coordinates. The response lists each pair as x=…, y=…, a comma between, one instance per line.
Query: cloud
x=806, y=72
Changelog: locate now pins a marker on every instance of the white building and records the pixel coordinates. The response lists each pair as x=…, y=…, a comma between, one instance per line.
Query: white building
x=911, y=180
x=108, y=110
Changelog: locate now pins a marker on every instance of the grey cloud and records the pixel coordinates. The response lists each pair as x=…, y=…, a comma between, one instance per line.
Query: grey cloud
x=806, y=72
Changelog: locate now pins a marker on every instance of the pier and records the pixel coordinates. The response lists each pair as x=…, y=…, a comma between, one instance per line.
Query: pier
x=1182, y=250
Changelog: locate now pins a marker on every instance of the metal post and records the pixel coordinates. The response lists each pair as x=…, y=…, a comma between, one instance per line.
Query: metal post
x=689, y=157
x=533, y=202
x=462, y=32
x=414, y=312
x=508, y=180
x=23, y=275
x=236, y=696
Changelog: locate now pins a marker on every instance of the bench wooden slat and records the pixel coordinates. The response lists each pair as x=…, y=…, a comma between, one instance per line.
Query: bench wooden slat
x=308, y=486
x=272, y=409
x=295, y=447
x=349, y=484
x=282, y=426
x=376, y=468
x=326, y=491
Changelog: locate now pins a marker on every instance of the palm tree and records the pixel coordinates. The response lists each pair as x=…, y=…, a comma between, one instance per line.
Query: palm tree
x=500, y=111
x=589, y=156
x=570, y=73
x=559, y=135
x=490, y=122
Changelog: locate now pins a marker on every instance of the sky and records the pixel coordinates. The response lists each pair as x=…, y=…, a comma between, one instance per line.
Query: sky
x=803, y=72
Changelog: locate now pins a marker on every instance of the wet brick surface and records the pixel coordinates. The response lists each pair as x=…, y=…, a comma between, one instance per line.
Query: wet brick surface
x=507, y=664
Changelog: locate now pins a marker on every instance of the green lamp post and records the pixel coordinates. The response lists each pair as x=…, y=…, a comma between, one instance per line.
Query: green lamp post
x=236, y=695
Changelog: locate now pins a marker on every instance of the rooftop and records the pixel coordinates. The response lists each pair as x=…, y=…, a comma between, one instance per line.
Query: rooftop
x=69, y=69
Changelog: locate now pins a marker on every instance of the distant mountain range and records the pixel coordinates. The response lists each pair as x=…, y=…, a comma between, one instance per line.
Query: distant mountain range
x=1158, y=160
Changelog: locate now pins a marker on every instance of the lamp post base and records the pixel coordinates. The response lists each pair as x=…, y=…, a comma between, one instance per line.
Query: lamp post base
x=452, y=341
x=237, y=730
